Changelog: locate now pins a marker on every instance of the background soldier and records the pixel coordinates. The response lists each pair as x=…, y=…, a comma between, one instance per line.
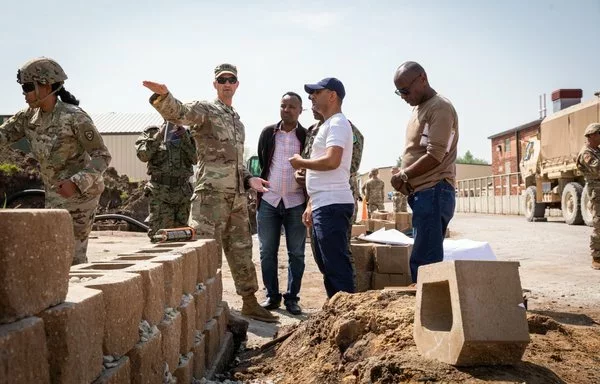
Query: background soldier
x=170, y=154
x=588, y=162
x=219, y=204
x=65, y=142
x=373, y=192
x=398, y=199
x=357, y=149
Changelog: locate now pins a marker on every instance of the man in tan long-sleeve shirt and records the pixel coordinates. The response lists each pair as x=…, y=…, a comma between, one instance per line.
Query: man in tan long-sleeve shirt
x=428, y=171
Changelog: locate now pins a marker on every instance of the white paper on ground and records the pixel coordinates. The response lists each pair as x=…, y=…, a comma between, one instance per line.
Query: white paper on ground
x=461, y=249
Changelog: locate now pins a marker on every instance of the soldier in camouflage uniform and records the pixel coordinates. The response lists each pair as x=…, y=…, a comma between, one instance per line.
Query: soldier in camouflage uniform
x=170, y=154
x=219, y=205
x=588, y=162
x=399, y=200
x=65, y=142
x=373, y=192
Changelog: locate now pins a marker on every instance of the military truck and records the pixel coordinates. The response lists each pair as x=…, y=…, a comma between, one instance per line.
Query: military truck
x=549, y=168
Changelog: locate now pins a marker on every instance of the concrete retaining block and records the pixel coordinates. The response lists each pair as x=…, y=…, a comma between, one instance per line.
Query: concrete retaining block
x=23, y=354
x=199, y=356
x=120, y=374
x=147, y=364
x=212, y=340
x=223, y=357
x=203, y=262
x=185, y=369
x=34, y=269
x=170, y=329
x=123, y=306
x=393, y=259
x=173, y=274
x=222, y=317
x=362, y=253
x=470, y=313
x=200, y=299
x=219, y=287
x=363, y=280
x=211, y=297
x=188, y=323
x=74, y=333
x=382, y=280
x=189, y=268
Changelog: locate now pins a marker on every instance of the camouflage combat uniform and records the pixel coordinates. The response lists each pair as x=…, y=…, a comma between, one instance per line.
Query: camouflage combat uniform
x=170, y=166
x=357, y=149
x=588, y=162
x=219, y=204
x=373, y=191
x=67, y=145
x=400, y=202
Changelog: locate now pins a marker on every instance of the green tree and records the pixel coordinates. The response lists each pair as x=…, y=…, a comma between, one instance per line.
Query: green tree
x=399, y=161
x=468, y=158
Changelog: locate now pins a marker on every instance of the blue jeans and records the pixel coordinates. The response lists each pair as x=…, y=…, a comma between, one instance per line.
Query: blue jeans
x=433, y=209
x=269, y=221
x=330, y=235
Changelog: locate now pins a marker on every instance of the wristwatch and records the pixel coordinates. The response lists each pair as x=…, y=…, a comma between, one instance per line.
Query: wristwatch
x=403, y=176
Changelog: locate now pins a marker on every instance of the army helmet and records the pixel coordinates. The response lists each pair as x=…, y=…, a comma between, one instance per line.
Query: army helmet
x=591, y=129
x=42, y=70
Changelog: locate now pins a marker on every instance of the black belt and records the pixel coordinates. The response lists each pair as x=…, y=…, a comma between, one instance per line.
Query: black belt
x=172, y=181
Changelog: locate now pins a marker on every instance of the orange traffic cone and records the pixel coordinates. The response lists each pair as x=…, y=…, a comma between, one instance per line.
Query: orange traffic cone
x=364, y=214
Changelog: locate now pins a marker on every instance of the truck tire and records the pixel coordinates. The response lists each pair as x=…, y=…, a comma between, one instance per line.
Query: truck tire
x=532, y=209
x=586, y=211
x=571, y=203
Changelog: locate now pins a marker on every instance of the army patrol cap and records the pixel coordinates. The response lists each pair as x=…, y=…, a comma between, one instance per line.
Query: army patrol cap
x=42, y=70
x=225, y=68
x=592, y=128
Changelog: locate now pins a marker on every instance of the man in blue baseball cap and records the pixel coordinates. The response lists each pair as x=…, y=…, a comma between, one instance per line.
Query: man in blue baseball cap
x=331, y=202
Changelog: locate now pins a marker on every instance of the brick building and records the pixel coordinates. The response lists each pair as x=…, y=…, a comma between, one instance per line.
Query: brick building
x=507, y=150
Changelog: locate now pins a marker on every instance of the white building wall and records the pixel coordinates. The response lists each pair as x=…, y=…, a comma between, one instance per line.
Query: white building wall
x=124, y=160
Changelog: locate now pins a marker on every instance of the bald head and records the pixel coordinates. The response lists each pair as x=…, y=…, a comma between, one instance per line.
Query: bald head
x=411, y=83
x=410, y=68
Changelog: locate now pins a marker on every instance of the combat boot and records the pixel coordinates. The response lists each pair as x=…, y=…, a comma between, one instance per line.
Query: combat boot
x=596, y=263
x=253, y=310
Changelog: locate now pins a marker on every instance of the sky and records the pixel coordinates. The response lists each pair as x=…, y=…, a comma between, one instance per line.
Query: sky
x=491, y=60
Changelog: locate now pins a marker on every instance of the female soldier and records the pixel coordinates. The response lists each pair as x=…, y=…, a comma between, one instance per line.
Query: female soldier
x=65, y=142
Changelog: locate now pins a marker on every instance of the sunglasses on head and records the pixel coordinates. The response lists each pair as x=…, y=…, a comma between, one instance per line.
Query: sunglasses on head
x=223, y=80
x=28, y=87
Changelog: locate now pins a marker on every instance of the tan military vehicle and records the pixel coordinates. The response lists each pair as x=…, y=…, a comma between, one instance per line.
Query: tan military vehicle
x=548, y=165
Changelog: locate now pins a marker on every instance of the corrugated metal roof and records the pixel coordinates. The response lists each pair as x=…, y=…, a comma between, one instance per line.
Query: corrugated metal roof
x=119, y=122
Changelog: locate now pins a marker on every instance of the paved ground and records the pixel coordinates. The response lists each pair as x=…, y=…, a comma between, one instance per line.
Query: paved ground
x=554, y=258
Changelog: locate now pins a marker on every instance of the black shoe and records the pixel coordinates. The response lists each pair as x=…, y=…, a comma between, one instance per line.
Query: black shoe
x=293, y=308
x=270, y=304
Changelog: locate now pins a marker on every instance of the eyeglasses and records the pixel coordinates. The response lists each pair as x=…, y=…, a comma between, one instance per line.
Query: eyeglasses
x=406, y=91
x=230, y=80
x=28, y=87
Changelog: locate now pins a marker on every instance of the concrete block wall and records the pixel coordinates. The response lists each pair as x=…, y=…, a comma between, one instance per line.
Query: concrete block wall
x=142, y=316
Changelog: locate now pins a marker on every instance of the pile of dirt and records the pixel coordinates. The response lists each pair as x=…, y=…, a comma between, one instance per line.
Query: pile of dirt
x=123, y=196
x=19, y=171
x=368, y=338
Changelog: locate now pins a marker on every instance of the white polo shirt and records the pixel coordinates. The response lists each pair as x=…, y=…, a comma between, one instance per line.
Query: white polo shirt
x=331, y=187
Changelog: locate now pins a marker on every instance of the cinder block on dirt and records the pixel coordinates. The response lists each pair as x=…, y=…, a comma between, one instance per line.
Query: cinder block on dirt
x=120, y=374
x=389, y=225
x=23, y=354
x=358, y=230
x=393, y=259
x=214, y=256
x=188, y=323
x=377, y=224
x=199, y=356
x=146, y=358
x=173, y=273
x=212, y=340
x=123, y=306
x=185, y=369
x=223, y=356
x=203, y=262
x=34, y=273
x=362, y=254
x=382, y=280
x=170, y=329
x=211, y=297
x=74, y=333
x=470, y=313
x=190, y=268
x=200, y=299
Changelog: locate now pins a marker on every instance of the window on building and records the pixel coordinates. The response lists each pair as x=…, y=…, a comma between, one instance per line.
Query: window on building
x=506, y=145
x=507, y=167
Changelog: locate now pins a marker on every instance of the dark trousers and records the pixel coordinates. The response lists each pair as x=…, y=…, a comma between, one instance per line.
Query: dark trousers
x=433, y=208
x=270, y=220
x=330, y=235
